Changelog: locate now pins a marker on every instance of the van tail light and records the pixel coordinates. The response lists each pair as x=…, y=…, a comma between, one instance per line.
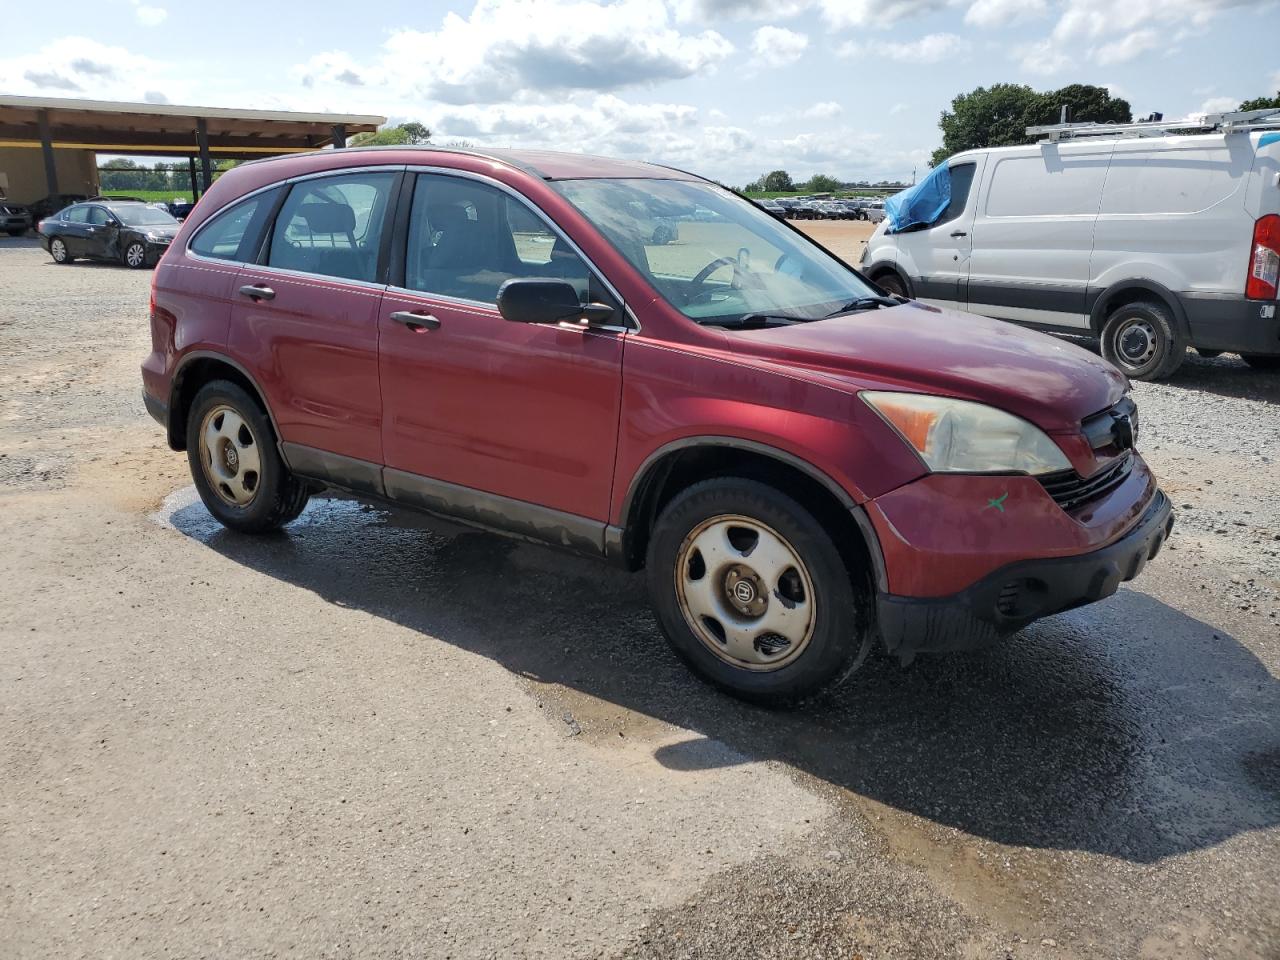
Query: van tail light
x=1264, y=262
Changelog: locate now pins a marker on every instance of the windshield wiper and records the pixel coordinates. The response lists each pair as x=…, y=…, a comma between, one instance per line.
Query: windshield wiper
x=758, y=320
x=866, y=303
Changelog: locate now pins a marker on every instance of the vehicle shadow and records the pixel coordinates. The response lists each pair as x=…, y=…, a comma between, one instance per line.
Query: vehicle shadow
x=1127, y=728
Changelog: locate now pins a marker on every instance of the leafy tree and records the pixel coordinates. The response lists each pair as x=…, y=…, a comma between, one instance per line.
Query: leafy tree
x=1262, y=103
x=997, y=116
x=822, y=183
x=411, y=132
x=779, y=181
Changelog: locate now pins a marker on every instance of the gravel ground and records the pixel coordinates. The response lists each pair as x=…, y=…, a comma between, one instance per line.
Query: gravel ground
x=377, y=737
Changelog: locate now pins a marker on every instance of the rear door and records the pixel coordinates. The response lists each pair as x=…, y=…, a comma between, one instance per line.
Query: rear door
x=305, y=320
x=74, y=230
x=1033, y=234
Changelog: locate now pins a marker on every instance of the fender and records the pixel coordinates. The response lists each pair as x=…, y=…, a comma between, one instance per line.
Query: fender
x=175, y=439
x=1098, y=300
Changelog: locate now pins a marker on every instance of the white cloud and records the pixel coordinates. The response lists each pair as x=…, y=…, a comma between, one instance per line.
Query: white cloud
x=1128, y=47
x=875, y=13
x=898, y=108
x=778, y=45
x=1219, y=104
x=931, y=48
x=150, y=16
x=998, y=13
x=78, y=66
x=715, y=11
x=1043, y=57
x=824, y=111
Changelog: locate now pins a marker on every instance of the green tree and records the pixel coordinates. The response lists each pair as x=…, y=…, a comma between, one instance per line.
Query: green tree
x=411, y=132
x=822, y=183
x=997, y=116
x=779, y=181
x=1262, y=103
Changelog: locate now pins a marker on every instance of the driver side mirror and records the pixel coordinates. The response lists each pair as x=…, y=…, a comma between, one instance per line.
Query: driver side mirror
x=528, y=300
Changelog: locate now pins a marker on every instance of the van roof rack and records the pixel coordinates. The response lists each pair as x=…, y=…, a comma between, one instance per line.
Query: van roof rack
x=1238, y=121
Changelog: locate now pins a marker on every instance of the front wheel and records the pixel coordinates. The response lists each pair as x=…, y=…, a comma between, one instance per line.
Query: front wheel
x=1261, y=361
x=234, y=462
x=892, y=284
x=135, y=255
x=1143, y=341
x=752, y=593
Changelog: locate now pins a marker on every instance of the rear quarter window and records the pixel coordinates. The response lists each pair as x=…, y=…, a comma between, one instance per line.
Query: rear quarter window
x=234, y=234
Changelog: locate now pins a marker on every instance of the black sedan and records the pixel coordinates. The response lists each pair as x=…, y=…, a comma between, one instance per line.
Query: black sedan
x=135, y=234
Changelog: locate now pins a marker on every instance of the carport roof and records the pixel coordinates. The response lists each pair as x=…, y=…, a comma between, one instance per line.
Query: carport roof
x=147, y=128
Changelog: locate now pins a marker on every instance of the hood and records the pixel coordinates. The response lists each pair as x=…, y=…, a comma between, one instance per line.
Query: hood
x=924, y=349
x=169, y=230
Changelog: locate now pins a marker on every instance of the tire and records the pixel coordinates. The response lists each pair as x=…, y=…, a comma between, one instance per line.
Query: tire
x=58, y=250
x=720, y=534
x=135, y=255
x=1143, y=341
x=224, y=417
x=1261, y=361
x=893, y=284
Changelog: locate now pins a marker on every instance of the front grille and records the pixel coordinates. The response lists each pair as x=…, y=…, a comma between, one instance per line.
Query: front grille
x=1070, y=490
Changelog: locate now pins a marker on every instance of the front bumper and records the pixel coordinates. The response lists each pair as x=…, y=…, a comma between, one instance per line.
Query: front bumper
x=1008, y=599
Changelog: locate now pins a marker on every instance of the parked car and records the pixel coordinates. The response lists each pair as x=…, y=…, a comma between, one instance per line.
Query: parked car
x=181, y=209
x=15, y=219
x=1153, y=243
x=135, y=234
x=773, y=207
x=800, y=463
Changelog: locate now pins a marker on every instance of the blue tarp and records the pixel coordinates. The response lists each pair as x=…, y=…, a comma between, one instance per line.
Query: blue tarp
x=922, y=203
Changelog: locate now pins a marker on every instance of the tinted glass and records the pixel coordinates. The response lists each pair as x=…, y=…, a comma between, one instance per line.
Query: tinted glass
x=77, y=215
x=231, y=235
x=98, y=215
x=333, y=226
x=961, y=183
x=467, y=238
x=741, y=260
x=144, y=216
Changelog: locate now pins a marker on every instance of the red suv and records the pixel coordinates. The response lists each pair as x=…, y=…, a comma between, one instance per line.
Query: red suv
x=636, y=364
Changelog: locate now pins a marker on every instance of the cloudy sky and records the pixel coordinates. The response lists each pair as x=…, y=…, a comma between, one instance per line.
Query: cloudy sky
x=727, y=88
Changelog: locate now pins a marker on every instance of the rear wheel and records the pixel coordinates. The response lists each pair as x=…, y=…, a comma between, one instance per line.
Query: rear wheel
x=753, y=594
x=58, y=250
x=1261, y=361
x=234, y=462
x=1143, y=341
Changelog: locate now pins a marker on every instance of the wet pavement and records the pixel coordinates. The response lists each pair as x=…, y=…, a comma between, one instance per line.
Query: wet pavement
x=377, y=735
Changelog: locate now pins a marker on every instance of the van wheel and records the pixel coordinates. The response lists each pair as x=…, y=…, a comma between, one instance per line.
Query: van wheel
x=1142, y=340
x=892, y=283
x=234, y=462
x=752, y=593
x=1261, y=361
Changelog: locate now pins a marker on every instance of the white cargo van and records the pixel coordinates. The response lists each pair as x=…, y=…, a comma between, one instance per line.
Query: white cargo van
x=1154, y=237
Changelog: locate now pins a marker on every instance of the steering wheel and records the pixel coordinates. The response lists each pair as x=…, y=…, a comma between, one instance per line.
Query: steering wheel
x=700, y=277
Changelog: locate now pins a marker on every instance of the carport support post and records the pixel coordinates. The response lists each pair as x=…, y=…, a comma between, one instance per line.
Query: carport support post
x=46, y=146
x=195, y=187
x=202, y=139
x=339, y=136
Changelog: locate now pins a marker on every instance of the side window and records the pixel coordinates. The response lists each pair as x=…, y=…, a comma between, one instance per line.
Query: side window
x=233, y=233
x=98, y=216
x=333, y=226
x=77, y=215
x=466, y=239
x=961, y=183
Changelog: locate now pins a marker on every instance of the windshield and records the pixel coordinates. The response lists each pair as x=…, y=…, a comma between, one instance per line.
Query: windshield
x=713, y=256
x=144, y=216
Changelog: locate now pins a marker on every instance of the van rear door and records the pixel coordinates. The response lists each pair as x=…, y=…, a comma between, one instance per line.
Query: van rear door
x=1033, y=233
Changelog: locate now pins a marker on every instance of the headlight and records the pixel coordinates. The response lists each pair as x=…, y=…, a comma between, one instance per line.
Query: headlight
x=958, y=436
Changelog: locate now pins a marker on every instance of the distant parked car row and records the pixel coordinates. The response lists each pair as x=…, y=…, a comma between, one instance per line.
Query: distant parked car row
x=805, y=208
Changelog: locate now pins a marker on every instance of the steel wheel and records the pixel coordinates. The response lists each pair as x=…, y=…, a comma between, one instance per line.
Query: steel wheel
x=1136, y=341
x=58, y=250
x=135, y=255
x=745, y=593
x=230, y=456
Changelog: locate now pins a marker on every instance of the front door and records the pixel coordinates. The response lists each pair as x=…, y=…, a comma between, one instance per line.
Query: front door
x=104, y=235
x=938, y=254
x=475, y=403
x=306, y=320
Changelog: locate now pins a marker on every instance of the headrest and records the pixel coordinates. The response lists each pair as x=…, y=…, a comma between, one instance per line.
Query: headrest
x=444, y=216
x=328, y=217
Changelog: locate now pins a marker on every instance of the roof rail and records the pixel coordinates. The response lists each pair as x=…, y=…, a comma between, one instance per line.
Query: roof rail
x=1239, y=121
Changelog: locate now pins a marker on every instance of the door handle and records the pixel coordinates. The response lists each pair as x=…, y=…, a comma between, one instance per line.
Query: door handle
x=417, y=322
x=959, y=233
x=256, y=291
